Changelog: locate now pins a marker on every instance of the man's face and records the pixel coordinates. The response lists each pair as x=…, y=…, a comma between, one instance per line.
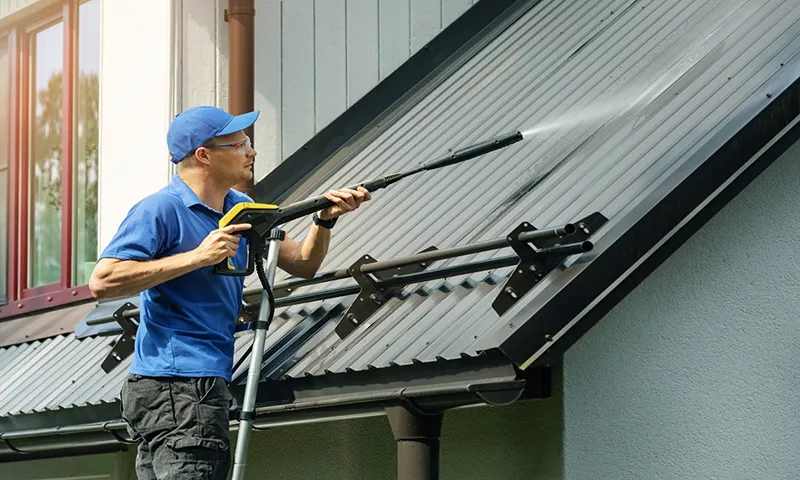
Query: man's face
x=231, y=158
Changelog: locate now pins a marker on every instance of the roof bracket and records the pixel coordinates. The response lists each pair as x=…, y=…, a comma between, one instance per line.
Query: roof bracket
x=535, y=263
x=371, y=297
x=124, y=346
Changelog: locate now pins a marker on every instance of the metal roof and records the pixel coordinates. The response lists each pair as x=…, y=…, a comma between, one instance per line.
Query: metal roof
x=653, y=83
x=55, y=373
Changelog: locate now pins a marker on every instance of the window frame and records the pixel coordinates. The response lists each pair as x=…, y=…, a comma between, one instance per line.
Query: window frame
x=21, y=298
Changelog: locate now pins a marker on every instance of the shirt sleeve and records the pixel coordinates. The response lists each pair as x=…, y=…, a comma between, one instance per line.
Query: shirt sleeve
x=141, y=236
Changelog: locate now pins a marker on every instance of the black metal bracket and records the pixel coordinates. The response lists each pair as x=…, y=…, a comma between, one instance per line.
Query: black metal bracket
x=247, y=314
x=123, y=348
x=371, y=298
x=533, y=266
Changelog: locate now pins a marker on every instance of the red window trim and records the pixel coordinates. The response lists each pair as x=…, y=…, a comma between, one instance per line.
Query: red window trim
x=21, y=299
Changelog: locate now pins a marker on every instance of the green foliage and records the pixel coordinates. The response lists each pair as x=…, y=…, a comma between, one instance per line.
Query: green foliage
x=46, y=178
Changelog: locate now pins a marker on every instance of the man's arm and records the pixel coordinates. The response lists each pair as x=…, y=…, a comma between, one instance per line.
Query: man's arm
x=115, y=278
x=304, y=259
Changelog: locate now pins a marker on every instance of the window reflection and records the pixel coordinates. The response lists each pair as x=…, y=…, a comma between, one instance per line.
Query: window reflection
x=5, y=131
x=86, y=132
x=46, y=156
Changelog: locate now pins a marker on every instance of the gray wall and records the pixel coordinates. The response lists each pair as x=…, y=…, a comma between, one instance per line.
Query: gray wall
x=107, y=466
x=696, y=373
x=519, y=442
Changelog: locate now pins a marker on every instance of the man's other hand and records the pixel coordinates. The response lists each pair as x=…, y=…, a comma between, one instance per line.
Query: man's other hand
x=346, y=200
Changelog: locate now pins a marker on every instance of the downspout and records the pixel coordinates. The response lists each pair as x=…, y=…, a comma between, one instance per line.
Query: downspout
x=176, y=69
x=417, y=434
x=240, y=16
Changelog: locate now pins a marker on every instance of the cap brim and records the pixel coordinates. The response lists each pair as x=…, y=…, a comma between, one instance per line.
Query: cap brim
x=240, y=122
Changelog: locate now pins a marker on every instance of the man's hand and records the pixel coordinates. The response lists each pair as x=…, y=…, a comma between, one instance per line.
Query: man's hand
x=220, y=244
x=346, y=200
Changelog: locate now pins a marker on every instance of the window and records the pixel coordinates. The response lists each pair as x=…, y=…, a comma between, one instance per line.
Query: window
x=48, y=157
x=5, y=134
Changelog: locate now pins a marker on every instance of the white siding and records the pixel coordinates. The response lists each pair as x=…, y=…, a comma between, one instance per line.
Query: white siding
x=8, y=7
x=315, y=58
x=204, y=46
x=135, y=106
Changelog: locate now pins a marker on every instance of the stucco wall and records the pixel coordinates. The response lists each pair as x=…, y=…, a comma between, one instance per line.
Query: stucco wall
x=106, y=466
x=696, y=373
x=519, y=442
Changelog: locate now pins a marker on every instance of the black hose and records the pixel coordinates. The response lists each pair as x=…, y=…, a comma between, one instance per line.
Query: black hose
x=262, y=276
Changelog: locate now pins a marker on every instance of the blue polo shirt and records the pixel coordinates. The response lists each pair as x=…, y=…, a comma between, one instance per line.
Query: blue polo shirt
x=186, y=324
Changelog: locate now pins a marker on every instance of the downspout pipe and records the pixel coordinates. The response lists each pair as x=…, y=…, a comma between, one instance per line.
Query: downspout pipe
x=240, y=16
x=417, y=434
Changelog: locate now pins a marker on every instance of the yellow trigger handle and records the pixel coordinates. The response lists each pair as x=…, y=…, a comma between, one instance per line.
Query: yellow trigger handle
x=244, y=212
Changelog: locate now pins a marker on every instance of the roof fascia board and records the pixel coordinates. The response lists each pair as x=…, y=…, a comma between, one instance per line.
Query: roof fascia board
x=395, y=382
x=98, y=413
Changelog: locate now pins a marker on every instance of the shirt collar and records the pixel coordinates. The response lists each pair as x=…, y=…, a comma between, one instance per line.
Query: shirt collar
x=190, y=199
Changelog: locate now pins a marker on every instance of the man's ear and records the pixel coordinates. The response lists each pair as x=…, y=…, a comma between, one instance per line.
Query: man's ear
x=202, y=155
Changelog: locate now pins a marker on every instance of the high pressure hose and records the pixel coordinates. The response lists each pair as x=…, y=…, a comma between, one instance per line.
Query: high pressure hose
x=262, y=276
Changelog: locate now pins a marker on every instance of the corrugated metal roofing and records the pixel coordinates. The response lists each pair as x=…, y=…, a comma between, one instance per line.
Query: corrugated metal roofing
x=652, y=82
x=55, y=373
x=60, y=372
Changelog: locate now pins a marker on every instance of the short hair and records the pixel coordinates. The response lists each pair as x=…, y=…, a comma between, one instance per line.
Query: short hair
x=187, y=162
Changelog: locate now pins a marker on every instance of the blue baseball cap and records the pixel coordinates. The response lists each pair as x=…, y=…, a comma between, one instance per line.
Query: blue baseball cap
x=195, y=126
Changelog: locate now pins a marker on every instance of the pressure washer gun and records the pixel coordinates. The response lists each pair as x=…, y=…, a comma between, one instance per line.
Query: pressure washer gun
x=265, y=217
x=263, y=236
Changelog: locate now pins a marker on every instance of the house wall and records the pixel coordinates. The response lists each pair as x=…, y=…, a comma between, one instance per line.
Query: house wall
x=7, y=7
x=107, y=466
x=314, y=58
x=695, y=374
x=518, y=442
x=135, y=106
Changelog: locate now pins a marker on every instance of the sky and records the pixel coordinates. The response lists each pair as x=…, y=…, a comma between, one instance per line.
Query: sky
x=50, y=44
x=49, y=54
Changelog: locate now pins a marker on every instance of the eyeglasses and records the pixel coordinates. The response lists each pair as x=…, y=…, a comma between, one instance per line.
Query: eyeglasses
x=243, y=144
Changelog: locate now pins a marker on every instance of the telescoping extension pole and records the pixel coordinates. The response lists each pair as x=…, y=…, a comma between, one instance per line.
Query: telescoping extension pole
x=265, y=314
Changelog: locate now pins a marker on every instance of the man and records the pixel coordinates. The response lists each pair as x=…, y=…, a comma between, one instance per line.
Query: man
x=175, y=398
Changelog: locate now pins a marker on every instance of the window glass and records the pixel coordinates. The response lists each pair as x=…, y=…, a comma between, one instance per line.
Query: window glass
x=86, y=132
x=5, y=131
x=45, y=157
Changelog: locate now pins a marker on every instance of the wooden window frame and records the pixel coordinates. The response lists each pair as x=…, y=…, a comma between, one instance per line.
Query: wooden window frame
x=21, y=298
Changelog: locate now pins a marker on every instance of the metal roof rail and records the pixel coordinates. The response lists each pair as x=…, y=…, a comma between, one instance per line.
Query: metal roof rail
x=552, y=246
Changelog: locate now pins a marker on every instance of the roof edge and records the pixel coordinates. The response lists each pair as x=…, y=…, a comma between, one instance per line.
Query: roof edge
x=490, y=380
x=466, y=375
x=773, y=126
x=459, y=36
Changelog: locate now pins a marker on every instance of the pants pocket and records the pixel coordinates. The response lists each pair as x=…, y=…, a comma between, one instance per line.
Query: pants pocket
x=147, y=404
x=198, y=458
x=205, y=386
x=213, y=408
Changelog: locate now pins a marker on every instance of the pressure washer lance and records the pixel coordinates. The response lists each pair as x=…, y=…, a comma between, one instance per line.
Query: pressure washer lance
x=264, y=218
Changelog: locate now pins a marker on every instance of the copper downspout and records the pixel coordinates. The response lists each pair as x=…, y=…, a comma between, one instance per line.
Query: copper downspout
x=240, y=16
